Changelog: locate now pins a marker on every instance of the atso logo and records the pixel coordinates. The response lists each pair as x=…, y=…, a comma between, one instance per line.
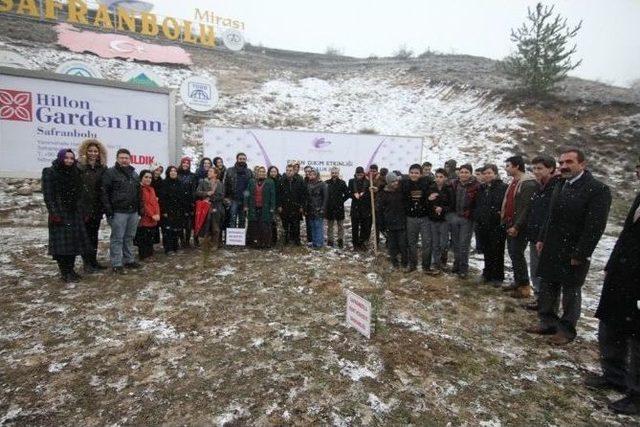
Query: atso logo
x=15, y=105
x=199, y=93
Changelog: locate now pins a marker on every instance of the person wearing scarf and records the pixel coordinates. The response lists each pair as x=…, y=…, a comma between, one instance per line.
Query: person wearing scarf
x=149, y=216
x=62, y=191
x=260, y=207
x=174, y=202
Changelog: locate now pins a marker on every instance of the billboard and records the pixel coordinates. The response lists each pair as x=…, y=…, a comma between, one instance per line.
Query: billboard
x=321, y=150
x=42, y=113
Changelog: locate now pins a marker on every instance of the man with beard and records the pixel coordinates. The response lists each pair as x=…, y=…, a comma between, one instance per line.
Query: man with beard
x=236, y=181
x=292, y=198
x=360, y=210
x=577, y=219
x=338, y=194
x=619, y=314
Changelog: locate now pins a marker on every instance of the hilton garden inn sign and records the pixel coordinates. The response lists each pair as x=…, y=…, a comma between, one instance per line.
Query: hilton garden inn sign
x=41, y=113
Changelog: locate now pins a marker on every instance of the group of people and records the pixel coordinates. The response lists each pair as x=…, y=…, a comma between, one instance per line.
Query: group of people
x=559, y=212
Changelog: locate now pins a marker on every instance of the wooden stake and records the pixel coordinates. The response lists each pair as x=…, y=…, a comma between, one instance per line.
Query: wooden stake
x=373, y=214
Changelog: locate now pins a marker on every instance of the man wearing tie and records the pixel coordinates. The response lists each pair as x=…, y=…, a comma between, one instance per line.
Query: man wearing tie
x=619, y=314
x=577, y=219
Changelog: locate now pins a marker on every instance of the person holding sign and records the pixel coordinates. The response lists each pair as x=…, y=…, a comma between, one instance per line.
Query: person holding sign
x=235, y=182
x=261, y=206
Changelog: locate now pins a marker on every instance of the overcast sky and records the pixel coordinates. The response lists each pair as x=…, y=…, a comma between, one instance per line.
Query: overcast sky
x=609, y=42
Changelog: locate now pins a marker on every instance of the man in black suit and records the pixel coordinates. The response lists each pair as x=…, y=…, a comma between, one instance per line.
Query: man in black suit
x=619, y=314
x=577, y=218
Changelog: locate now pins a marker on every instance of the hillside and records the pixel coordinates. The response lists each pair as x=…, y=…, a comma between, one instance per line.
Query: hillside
x=244, y=337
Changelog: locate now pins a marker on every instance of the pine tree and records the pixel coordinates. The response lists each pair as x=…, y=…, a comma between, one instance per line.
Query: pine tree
x=543, y=58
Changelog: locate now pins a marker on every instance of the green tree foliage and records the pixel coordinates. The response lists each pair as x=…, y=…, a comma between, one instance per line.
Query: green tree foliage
x=543, y=57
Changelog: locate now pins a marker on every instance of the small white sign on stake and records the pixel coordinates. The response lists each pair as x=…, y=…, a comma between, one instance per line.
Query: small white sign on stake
x=359, y=313
x=236, y=236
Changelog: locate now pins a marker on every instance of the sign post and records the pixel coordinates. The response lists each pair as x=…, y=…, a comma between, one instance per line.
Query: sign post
x=359, y=313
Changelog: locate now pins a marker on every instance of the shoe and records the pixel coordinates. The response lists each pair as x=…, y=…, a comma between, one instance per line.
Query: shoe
x=539, y=330
x=118, y=270
x=463, y=276
x=340, y=243
x=410, y=269
x=628, y=405
x=132, y=265
x=523, y=291
x=532, y=306
x=559, y=339
x=599, y=382
x=96, y=266
x=510, y=287
x=89, y=269
x=74, y=277
x=436, y=271
x=65, y=277
x=330, y=243
x=496, y=283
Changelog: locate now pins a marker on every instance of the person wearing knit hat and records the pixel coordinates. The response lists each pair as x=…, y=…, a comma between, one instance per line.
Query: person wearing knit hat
x=391, y=212
x=360, y=210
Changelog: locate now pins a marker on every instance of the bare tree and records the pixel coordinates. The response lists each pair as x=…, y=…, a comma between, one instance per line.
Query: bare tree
x=543, y=57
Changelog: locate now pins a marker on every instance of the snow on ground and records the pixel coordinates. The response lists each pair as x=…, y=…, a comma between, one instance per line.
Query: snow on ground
x=246, y=346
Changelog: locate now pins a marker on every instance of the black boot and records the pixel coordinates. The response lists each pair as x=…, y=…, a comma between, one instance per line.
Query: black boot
x=628, y=405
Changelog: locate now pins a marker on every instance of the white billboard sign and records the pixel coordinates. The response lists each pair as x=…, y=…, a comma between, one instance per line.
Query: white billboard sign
x=39, y=116
x=321, y=150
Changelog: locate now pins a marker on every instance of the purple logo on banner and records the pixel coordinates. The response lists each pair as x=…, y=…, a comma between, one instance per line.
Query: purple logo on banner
x=320, y=142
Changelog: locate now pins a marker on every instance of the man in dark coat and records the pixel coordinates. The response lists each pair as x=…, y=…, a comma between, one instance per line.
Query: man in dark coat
x=543, y=169
x=490, y=230
x=338, y=194
x=62, y=188
x=391, y=203
x=236, y=181
x=619, y=314
x=121, y=201
x=92, y=164
x=292, y=199
x=360, y=209
x=577, y=219
x=416, y=206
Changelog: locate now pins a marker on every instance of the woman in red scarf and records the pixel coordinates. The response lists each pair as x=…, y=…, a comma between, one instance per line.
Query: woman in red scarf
x=149, y=216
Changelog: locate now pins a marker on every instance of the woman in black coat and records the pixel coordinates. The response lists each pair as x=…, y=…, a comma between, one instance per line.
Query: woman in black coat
x=491, y=232
x=175, y=202
x=62, y=190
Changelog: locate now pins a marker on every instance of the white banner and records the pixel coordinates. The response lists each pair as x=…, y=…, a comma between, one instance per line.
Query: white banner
x=317, y=149
x=38, y=117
